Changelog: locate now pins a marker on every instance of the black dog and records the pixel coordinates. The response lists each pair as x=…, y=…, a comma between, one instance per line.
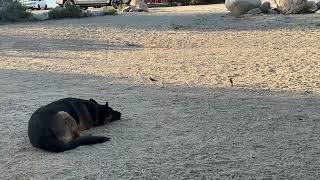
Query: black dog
x=56, y=127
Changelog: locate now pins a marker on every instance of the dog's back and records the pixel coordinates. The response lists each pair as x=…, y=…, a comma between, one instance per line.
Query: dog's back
x=55, y=127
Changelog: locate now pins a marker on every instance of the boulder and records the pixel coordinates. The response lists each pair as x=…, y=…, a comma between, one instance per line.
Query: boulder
x=272, y=3
x=317, y=2
x=127, y=9
x=311, y=7
x=265, y=7
x=138, y=6
x=41, y=16
x=88, y=13
x=291, y=6
x=254, y=11
x=271, y=11
x=238, y=7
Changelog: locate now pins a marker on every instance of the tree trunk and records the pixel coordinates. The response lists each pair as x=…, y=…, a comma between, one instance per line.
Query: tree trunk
x=291, y=6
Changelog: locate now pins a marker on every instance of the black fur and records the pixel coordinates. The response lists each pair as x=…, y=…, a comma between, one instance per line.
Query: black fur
x=56, y=127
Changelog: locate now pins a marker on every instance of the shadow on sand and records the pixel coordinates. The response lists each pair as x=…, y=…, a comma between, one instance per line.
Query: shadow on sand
x=166, y=132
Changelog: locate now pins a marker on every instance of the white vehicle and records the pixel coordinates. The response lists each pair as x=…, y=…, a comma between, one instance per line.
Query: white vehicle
x=92, y=3
x=35, y=4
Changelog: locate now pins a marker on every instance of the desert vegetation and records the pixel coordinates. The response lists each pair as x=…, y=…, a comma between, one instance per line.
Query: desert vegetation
x=109, y=11
x=13, y=11
x=67, y=12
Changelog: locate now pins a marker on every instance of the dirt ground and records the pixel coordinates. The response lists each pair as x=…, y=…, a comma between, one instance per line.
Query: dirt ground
x=189, y=123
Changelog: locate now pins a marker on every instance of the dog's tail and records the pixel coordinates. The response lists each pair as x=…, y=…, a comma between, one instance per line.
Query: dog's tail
x=80, y=141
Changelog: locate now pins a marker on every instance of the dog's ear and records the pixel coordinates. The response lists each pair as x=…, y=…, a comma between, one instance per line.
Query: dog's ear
x=92, y=100
x=107, y=104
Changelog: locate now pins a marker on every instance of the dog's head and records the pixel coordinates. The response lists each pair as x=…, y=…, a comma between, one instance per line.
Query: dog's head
x=105, y=113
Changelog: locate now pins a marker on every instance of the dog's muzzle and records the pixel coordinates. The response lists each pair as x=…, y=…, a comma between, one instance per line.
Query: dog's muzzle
x=117, y=115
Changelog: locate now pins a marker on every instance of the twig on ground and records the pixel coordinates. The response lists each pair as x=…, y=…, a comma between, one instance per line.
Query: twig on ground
x=234, y=175
x=152, y=79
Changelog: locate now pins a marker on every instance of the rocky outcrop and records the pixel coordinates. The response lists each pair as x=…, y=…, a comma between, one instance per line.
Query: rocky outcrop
x=255, y=7
x=137, y=6
x=291, y=6
x=265, y=7
x=317, y=2
x=311, y=7
x=238, y=7
x=254, y=11
x=297, y=6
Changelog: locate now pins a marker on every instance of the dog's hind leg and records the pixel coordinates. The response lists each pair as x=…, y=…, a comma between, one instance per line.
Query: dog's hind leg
x=68, y=135
x=60, y=146
x=65, y=127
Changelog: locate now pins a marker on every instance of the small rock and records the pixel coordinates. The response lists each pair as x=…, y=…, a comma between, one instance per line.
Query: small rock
x=271, y=11
x=272, y=70
x=86, y=13
x=254, y=11
x=231, y=81
x=152, y=79
x=276, y=10
x=318, y=12
x=265, y=7
x=41, y=16
x=97, y=13
x=127, y=9
x=311, y=6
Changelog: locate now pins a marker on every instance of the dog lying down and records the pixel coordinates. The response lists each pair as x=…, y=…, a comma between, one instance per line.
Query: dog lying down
x=56, y=127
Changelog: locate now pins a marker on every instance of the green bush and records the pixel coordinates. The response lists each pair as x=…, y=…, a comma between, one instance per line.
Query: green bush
x=123, y=6
x=13, y=11
x=66, y=12
x=109, y=11
x=195, y=2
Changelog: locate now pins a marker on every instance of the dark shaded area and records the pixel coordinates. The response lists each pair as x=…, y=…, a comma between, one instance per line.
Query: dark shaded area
x=23, y=43
x=166, y=132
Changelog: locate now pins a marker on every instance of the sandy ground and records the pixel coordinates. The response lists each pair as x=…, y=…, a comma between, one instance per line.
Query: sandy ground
x=189, y=124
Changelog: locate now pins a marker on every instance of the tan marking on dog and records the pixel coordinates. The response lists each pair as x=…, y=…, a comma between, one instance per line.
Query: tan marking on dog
x=66, y=127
